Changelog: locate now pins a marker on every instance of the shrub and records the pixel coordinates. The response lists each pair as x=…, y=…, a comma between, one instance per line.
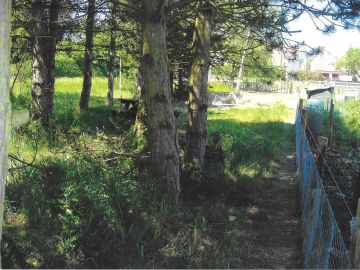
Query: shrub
x=67, y=67
x=350, y=115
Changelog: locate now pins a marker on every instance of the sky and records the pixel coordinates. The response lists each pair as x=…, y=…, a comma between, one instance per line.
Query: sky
x=337, y=43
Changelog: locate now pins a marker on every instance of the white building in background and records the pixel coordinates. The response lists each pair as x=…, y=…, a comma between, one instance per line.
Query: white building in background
x=291, y=59
x=325, y=63
x=296, y=59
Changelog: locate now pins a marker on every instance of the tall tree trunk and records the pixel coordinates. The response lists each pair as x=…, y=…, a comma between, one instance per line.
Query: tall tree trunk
x=5, y=108
x=53, y=26
x=89, y=45
x=241, y=66
x=232, y=75
x=44, y=14
x=162, y=137
x=110, y=95
x=198, y=98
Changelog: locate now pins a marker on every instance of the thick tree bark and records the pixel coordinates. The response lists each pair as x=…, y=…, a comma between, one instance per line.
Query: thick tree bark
x=159, y=110
x=89, y=45
x=5, y=108
x=110, y=95
x=198, y=98
x=44, y=14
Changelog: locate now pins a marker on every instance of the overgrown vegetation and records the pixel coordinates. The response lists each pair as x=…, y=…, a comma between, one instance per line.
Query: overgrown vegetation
x=85, y=198
x=342, y=158
x=85, y=190
x=348, y=119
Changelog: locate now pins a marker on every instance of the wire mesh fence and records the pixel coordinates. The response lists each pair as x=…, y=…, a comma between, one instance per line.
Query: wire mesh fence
x=323, y=244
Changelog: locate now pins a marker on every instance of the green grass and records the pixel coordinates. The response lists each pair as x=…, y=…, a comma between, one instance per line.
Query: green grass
x=66, y=110
x=349, y=120
x=251, y=136
x=244, y=146
x=80, y=205
x=99, y=87
x=220, y=87
x=70, y=208
x=346, y=122
x=68, y=91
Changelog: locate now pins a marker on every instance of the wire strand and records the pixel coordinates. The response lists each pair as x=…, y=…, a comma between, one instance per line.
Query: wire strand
x=328, y=167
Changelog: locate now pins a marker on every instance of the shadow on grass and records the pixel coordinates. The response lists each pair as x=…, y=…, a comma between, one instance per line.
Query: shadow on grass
x=75, y=210
x=225, y=195
x=68, y=117
x=87, y=212
x=77, y=213
x=240, y=158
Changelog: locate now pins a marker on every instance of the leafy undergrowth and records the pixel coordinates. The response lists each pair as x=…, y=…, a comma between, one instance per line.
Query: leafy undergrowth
x=343, y=159
x=87, y=201
x=349, y=121
x=344, y=155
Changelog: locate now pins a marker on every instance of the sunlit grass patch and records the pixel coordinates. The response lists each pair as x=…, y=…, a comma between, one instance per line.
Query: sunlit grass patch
x=220, y=87
x=84, y=206
x=251, y=137
x=99, y=87
x=68, y=91
x=251, y=114
x=348, y=121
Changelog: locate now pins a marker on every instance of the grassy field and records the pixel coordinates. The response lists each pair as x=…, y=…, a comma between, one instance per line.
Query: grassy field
x=252, y=137
x=68, y=90
x=79, y=203
x=220, y=87
x=66, y=101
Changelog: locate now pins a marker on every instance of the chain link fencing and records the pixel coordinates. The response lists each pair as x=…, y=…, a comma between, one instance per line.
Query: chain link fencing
x=323, y=244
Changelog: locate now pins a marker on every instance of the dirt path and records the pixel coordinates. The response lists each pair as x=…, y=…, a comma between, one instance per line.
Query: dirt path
x=276, y=224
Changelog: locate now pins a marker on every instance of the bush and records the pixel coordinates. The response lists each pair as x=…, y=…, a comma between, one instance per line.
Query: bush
x=350, y=115
x=67, y=67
